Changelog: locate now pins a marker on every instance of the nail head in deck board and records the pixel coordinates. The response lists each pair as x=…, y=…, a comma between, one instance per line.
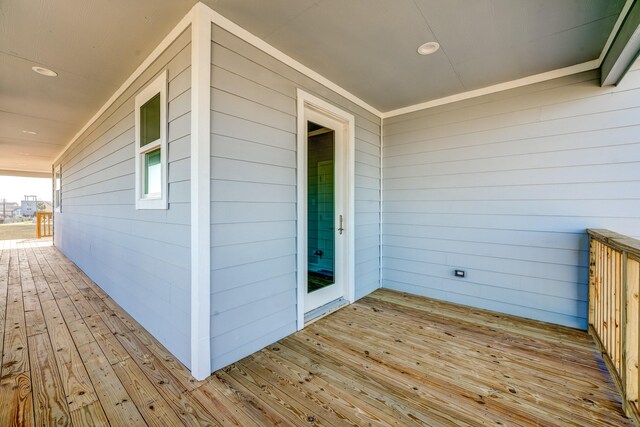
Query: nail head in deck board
x=355, y=387
x=75, y=379
x=338, y=383
x=262, y=412
x=227, y=407
x=118, y=405
x=113, y=350
x=164, y=357
x=306, y=392
x=15, y=354
x=49, y=401
x=450, y=343
x=481, y=380
x=16, y=399
x=172, y=364
x=274, y=395
x=80, y=332
x=187, y=407
x=155, y=410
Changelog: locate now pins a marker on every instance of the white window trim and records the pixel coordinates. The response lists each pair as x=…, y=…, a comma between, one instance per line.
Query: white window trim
x=159, y=85
x=57, y=192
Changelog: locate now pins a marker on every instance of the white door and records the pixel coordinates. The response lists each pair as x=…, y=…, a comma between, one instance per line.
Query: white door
x=326, y=209
x=325, y=205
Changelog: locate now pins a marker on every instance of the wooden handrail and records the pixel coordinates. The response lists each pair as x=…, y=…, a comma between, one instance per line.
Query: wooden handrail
x=44, y=224
x=614, y=310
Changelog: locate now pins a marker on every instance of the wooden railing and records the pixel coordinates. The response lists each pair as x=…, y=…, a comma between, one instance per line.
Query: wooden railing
x=44, y=224
x=614, y=309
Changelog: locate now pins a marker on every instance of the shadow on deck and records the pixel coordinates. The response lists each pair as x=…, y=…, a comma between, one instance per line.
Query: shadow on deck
x=71, y=355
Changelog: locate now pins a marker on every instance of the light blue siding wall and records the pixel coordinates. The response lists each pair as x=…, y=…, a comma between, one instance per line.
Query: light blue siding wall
x=253, y=209
x=504, y=187
x=139, y=257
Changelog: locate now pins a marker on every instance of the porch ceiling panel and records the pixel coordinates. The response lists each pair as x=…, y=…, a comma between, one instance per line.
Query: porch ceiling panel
x=369, y=46
x=93, y=46
x=366, y=46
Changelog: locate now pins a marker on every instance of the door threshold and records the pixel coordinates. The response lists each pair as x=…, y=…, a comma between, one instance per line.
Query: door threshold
x=325, y=310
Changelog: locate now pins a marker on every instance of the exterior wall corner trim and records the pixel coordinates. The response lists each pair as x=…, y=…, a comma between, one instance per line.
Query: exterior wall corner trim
x=200, y=192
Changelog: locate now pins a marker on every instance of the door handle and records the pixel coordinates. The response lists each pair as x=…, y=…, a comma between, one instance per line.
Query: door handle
x=341, y=227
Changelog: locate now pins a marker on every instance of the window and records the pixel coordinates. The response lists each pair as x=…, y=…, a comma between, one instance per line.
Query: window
x=57, y=189
x=151, y=145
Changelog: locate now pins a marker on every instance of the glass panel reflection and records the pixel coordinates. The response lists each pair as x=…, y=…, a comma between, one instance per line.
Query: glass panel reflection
x=153, y=172
x=321, y=207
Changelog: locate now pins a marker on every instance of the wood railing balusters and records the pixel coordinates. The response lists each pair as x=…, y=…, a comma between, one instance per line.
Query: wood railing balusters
x=44, y=224
x=614, y=310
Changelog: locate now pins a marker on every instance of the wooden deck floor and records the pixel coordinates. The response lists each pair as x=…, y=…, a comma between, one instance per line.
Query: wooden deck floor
x=71, y=356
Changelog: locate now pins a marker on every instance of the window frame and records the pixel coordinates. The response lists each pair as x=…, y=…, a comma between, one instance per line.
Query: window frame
x=57, y=188
x=154, y=201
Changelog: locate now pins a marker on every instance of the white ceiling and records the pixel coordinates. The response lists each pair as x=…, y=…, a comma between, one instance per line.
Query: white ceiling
x=366, y=46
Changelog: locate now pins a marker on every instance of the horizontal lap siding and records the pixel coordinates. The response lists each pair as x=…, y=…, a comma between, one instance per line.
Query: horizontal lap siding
x=504, y=187
x=141, y=258
x=253, y=191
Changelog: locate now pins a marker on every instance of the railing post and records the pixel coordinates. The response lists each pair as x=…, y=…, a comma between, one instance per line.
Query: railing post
x=632, y=327
x=38, y=225
x=44, y=224
x=592, y=282
x=614, y=310
x=627, y=303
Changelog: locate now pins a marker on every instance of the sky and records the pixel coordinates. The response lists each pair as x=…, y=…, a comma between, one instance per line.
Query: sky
x=14, y=188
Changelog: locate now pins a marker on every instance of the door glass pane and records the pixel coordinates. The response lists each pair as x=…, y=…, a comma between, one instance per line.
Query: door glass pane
x=321, y=207
x=153, y=173
x=150, y=121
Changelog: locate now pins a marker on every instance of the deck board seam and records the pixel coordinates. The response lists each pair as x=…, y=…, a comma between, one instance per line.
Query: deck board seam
x=91, y=288
x=49, y=339
x=66, y=326
x=27, y=345
x=329, y=377
x=46, y=259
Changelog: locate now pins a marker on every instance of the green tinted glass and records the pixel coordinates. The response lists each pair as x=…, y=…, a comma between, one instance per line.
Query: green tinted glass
x=320, y=209
x=153, y=173
x=150, y=121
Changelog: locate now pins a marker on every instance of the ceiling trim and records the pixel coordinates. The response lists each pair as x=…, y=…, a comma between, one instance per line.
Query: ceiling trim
x=536, y=78
x=236, y=30
x=257, y=42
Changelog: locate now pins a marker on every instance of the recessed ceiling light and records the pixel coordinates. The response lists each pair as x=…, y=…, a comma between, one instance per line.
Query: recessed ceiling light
x=44, y=71
x=30, y=132
x=428, y=48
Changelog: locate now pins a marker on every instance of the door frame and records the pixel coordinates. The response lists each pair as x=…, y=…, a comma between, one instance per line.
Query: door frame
x=306, y=101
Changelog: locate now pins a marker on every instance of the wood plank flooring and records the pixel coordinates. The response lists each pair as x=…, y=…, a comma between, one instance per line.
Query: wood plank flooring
x=72, y=356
